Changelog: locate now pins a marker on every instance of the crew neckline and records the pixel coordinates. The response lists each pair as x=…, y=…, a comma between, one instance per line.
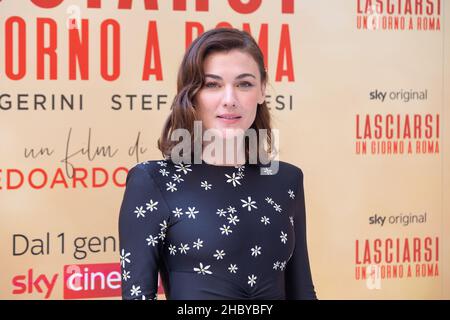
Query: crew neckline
x=215, y=165
x=223, y=166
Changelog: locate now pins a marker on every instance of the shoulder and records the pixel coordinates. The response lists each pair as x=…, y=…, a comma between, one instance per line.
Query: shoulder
x=151, y=165
x=291, y=168
x=285, y=169
x=283, y=174
x=145, y=170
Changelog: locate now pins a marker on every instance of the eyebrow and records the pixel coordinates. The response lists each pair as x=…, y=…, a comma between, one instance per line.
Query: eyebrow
x=243, y=75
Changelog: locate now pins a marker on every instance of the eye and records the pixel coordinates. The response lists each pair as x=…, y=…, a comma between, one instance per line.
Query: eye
x=211, y=84
x=246, y=84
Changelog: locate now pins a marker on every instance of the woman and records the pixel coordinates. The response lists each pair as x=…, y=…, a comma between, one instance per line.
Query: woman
x=216, y=228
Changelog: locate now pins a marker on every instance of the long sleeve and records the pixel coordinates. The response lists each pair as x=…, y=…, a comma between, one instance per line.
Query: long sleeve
x=298, y=279
x=143, y=223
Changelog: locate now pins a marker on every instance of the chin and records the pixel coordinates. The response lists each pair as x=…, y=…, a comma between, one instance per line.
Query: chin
x=231, y=132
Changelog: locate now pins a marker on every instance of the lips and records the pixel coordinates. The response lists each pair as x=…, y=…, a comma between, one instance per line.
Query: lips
x=229, y=116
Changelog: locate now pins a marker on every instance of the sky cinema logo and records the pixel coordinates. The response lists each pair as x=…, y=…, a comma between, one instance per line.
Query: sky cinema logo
x=82, y=281
x=92, y=281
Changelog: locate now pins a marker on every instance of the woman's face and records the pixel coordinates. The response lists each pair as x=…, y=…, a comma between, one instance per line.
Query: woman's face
x=228, y=99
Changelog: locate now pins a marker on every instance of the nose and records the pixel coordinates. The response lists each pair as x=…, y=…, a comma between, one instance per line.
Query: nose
x=229, y=97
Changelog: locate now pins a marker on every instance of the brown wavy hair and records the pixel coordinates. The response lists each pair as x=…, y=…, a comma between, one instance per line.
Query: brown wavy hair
x=191, y=79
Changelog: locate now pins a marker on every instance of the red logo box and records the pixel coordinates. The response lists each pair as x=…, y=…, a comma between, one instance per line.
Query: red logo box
x=83, y=281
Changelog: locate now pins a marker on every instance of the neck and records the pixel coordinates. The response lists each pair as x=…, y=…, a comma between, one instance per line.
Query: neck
x=224, y=152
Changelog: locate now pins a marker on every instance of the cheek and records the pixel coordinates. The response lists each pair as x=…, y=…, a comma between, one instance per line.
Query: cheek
x=251, y=120
x=251, y=113
x=205, y=107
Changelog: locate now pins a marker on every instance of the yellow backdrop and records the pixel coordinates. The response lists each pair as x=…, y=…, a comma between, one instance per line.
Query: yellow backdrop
x=359, y=94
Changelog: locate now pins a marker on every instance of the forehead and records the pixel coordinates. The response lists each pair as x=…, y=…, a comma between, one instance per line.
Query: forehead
x=230, y=62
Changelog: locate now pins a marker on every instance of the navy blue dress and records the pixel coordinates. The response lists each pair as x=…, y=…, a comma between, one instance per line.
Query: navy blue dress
x=214, y=232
